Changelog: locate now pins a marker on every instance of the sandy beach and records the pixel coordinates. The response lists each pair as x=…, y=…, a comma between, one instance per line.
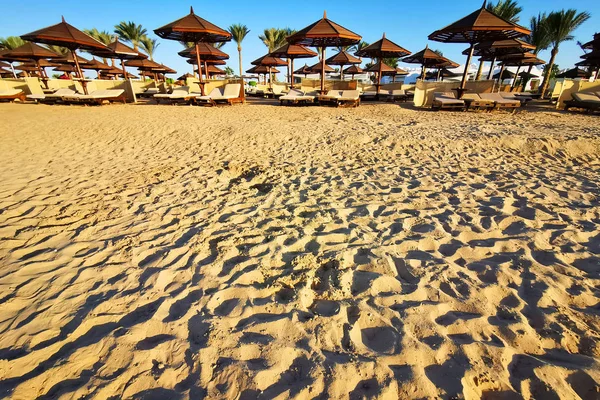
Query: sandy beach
x=298, y=252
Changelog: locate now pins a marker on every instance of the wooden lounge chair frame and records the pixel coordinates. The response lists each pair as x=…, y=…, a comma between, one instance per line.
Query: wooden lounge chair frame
x=438, y=105
x=501, y=102
x=588, y=106
x=21, y=96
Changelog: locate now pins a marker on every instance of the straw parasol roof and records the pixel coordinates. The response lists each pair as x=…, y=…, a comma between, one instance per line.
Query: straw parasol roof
x=574, y=73
x=163, y=69
x=304, y=70
x=291, y=52
x=318, y=68
x=192, y=28
x=261, y=69
x=65, y=68
x=29, y=67
x=324, y=33
x=342, y=58
x=212, y=70
x=121, y=51
x=353, y=70
x=31, y=51
x=207, y=62
x=594, y=43
x=427, y=58
x=380, y=67
x=143, y=65
x=397, y=71
x=479, y=26
x=506, y=74
x=97, y=66
x=497, y=48
x=521, y=59
x=69, y=59
x=382, y=48
x=268, y=60
x=441, y=73
x=66, y=35
x=207, y=52
x=185, y=76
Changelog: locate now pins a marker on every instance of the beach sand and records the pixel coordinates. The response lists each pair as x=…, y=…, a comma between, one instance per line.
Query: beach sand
x=298, y=252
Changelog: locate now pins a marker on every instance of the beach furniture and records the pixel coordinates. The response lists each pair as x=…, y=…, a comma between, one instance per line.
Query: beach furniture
x=229, y=94
x=474, y=101
x=587, y=101
x=395, y=94
x=446, y=101
x=350, y=98
x=52, y=98
x=148, y=93
x=12, y=95
x=501, y=102
x=296, y=96
x=179, y=93
x=97, y=97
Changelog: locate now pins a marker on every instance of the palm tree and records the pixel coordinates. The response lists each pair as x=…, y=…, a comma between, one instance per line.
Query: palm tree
x=506, y=9
x=239, y=33
x=11, y=42
x=275, y=37
x=104, y=37
x=149, y=45
x=559, y=27
x=538, y=37
x=130, y=32
x=229, y=71
x=219, y=45
x=359, y=46
x=58, y=49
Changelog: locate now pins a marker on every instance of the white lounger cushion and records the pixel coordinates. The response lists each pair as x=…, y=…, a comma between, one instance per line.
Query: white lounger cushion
x=497, y=97
x=349, y=95
x=231, y=91
x=56, y=95
x=292, y=95
x=97, y=95
x=10, y=92
x=446, y=98
x=586, y=97
x=216, y=92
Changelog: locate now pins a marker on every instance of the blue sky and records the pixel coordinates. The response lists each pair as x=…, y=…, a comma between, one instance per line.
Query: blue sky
x=406, y=23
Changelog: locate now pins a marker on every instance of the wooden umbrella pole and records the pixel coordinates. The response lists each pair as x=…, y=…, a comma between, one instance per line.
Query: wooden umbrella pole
x=500, y=77
x=292, y=73
x=526, y=79
x=199, y=68
x=597, y=73
x=423, y=72
x=12, y=67
x=41, y=73
x=514, y=84
x=83, y=82
x=323, y=69
x=490, y=74
x=125, y=76
x=342, y=72
x=463, y=83
x=438, y=74
x=379, y=76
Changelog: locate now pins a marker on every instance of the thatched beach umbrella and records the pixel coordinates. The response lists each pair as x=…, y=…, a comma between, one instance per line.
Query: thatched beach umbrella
x=353, y=70
x=479, y=26
x=262, y=70
x=592, y=44
x=269, y=62
x=192, y=28
x=9, y=60
x=318, y=68
x=207, y=52
x=324, y=33
x=291, y=52
x=28, y=68
x=574, y=73
x=519, y=60
x=97, y=66
x=342, y=58
x=380, y=68
x=427, y=58
x=122, y=52
x=304, y=70
x=34, y=52
x=491, y=50
x=143, y=65
x=383, y=48
x=66, y=35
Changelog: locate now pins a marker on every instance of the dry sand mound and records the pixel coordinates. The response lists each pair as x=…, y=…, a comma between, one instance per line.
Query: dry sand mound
x=270, y=252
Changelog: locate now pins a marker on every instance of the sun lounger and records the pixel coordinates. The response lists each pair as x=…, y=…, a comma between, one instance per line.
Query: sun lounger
x=587, y=101
x=474, y=101
x=501, y=102
x=148, y=93
x=97, y=97
x=178, y=94
x=296, y=96
x=229, y=94
x=349, y=98
x=396, y=94
x=523, y=99
x=369, y=95
x=330, y=98
x=53, y=98
x=12, y=94
x=446, y=101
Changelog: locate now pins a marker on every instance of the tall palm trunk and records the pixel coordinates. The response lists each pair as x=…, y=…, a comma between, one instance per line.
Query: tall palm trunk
x=546, y=83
